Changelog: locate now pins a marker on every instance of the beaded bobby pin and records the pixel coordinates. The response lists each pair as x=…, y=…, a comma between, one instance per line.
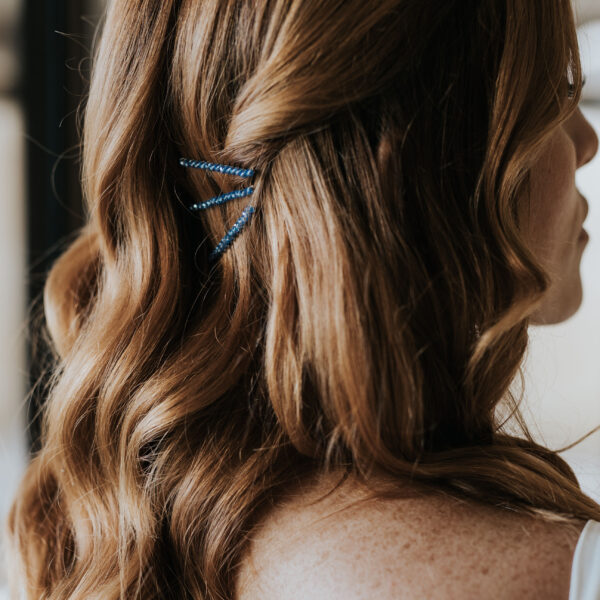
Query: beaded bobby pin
x=222, y=199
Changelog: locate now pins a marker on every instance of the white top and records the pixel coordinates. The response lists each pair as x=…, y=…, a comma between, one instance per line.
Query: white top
x=585, y=570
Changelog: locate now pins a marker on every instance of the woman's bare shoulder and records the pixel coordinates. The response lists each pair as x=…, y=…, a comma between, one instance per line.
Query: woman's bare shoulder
x=434, y=547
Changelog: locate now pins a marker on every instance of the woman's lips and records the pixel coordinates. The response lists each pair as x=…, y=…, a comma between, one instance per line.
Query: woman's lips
x=583, y=235
x=586, y=207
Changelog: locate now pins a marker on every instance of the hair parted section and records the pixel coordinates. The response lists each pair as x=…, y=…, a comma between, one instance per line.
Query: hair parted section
x=372, y=315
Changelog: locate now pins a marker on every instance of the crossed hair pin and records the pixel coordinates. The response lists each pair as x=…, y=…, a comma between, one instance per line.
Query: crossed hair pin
x=239, y=225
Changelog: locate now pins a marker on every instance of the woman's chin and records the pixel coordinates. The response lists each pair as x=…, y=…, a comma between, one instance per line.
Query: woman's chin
x=558, y=307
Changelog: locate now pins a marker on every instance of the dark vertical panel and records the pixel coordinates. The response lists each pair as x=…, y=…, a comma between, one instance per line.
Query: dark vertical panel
x=56, y=41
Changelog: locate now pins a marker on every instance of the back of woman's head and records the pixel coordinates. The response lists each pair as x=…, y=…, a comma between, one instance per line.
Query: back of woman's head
x=372, y=315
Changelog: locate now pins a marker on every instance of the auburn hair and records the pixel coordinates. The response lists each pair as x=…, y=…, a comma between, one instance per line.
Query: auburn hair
x=372, y=316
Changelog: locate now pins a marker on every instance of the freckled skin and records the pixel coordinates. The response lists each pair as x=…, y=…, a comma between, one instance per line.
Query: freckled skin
x=556, y=214
x=410, y=548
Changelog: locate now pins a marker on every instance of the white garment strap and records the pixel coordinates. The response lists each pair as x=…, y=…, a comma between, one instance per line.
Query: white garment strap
x=585, y=570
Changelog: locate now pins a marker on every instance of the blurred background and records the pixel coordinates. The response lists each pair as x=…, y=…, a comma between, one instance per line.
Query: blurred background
x=44, y=70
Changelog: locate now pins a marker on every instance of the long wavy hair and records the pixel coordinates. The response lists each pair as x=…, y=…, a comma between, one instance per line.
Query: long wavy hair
x=372, y=316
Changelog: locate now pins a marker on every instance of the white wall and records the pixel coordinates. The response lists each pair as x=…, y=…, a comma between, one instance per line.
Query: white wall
x=589, y=44
x=586, y=10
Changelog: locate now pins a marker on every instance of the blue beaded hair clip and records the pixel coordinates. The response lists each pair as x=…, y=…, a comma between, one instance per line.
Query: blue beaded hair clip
x=230, y=236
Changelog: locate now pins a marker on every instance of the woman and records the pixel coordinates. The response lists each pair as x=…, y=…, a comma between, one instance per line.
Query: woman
x=307, y=404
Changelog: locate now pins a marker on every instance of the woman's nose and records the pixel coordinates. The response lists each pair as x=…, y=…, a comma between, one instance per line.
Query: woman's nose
x=584, y=137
